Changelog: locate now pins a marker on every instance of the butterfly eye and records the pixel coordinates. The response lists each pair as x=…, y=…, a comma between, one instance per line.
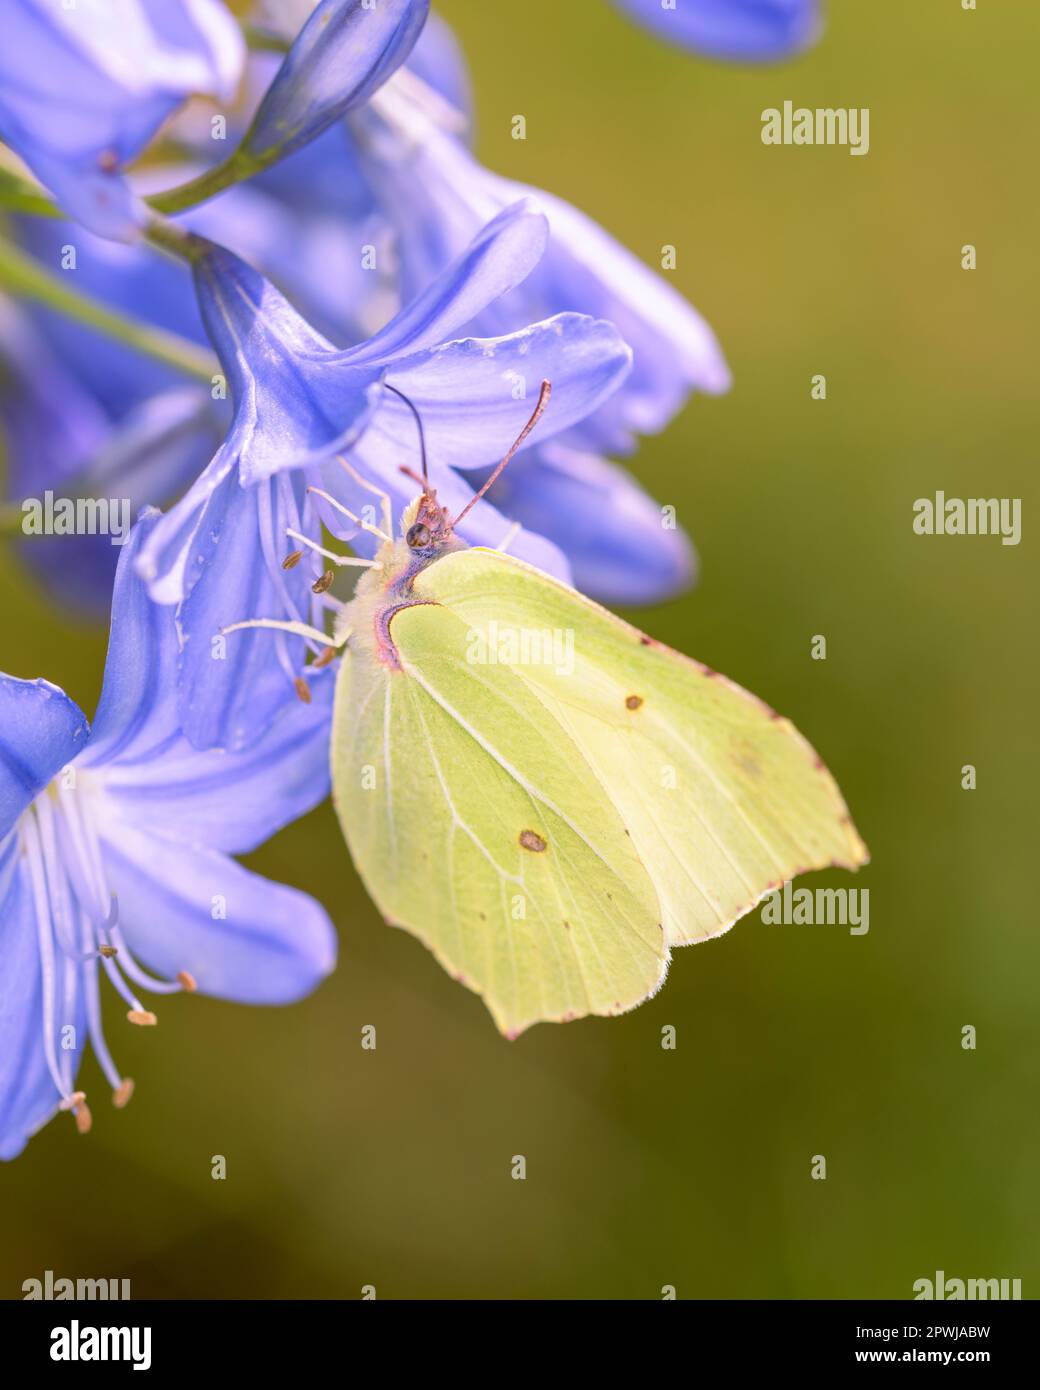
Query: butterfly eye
x=418, y=535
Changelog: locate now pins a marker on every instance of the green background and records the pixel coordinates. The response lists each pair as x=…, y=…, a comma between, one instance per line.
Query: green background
x=648, y=1167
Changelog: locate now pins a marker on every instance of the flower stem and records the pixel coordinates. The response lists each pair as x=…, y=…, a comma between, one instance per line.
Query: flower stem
x=235, y=168
x=18, y=195
x=22, y=276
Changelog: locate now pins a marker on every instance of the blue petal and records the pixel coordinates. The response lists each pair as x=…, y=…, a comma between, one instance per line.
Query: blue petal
x=436, y=194
x=84, y=87
x=343, y=54
x=188, y=907
x=166, y=677
x=41, y=731
x=438, y=61
x=137, y=705
x=28, y=1096
x=501, y=255
x=476, y=394
x=615, y=536
x=104, y=203
x=315, y=254
x=228, y=694
x=233, y=801
x=296, y=400
x=740, y=29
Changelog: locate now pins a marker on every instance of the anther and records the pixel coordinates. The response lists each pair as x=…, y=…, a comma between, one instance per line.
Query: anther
x=142, y=1018
x=291, y=561
x=70, y=1102
x=84, y=1119
x=186, y=981
x=122, y=1093
x=324, y=583
x=323, y=658
x=108, y=952
x=303, y=690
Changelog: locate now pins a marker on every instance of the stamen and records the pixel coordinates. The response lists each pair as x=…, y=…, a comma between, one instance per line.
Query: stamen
x=45, y=943
x=140, y=977
x=268, y=540
x=122, y=1093
x=303, y=690
x=92, y=998
x=365, y=525
x=187, y=982
x=291, y=561
x=384, y=497
x=57, y=883
x=323, y=583
x=300, y=629
x=329, y=654
x=84, y=1119
x=83, y=859
x=124, y=990
x=70, y=1102
x=331, y=555
x=142, y=1017
x=109, y=952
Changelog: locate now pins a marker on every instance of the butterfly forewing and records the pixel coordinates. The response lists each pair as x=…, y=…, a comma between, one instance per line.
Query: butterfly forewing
x=475, y=822
x=723, y=799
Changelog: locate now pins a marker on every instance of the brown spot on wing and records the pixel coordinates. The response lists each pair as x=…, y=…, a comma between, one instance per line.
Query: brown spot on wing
x=633, y=701
x=530, y=839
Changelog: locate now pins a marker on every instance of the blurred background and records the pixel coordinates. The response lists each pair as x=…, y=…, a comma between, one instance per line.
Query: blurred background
x=691, y=1167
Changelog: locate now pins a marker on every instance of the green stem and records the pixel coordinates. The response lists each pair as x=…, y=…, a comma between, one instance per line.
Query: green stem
x=18, y=195
x=235, y=169
x=22, y=276
x=263, y=41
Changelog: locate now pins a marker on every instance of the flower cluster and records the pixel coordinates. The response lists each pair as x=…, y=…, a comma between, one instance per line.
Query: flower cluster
x=261, y=345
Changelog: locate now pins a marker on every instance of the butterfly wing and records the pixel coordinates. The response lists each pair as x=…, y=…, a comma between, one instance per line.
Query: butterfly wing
x=723, y=799
x=475, y=823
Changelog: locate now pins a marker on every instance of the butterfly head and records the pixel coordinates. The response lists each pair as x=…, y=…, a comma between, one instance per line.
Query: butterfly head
x=427, y=527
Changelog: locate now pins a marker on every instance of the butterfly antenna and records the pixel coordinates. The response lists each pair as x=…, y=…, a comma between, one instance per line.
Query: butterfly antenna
x=422, y=436
x=536, y=415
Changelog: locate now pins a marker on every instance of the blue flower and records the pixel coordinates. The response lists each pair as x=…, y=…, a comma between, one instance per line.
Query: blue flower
x=437, y=195
x=115, y=847
x=84, y=87
x=345, y=51
x=300, y=403
x=739, y=29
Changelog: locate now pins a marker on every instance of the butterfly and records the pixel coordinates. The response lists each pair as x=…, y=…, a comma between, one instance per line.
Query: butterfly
x=547, y=798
